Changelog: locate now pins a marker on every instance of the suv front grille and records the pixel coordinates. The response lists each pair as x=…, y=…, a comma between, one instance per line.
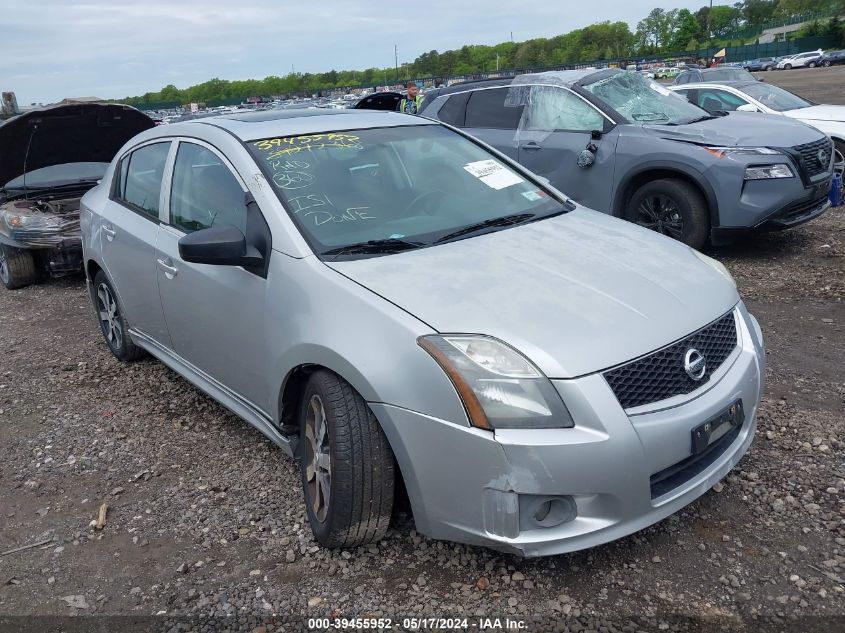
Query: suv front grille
x=661, y=374
x=809, y=153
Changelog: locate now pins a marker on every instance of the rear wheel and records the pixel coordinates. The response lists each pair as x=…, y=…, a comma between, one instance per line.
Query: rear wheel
x=17, y=267
x=826, y=63
x=769, y=68
x=672, y=207
x=839, y=157
x=112, y=323
x=812, y=64
x=346, y=463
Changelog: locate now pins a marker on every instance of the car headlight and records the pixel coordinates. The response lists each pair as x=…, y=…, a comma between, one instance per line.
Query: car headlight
x=722, y=152
x=716, y=265
x=762, y=172
x=499, y=387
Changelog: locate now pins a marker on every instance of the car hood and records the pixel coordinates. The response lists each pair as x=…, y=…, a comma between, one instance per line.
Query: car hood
x=742, y=129
x=818, y=113
x=576, y=294
x=74, y=133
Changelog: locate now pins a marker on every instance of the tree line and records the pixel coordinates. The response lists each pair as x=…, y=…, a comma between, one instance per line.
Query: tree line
x=660, y=31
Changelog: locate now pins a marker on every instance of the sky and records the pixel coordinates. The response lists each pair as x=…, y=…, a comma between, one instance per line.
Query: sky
x=53, y=49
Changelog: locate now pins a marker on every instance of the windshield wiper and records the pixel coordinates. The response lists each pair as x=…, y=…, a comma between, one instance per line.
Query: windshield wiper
x=389, y=245
x=508, y=220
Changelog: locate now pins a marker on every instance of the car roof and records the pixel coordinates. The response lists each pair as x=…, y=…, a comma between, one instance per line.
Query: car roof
x=564, y=77
x=252, y=126
x=714, y=84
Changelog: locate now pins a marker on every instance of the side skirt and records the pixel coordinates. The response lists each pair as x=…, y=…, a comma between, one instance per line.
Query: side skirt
x=225, y=396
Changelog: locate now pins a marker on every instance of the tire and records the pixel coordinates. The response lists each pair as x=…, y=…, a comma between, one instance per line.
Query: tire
x=839, y=157
x=17, y=267
x=811, y=65
x=672, y=207
x=112, y=323
x=826, y=64
x=787, y=67
x=769, y=69
x=361, y=472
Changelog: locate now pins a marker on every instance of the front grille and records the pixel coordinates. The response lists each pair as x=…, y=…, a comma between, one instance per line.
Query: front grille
x=809, y=153
x=661, y=374
x=798, y=211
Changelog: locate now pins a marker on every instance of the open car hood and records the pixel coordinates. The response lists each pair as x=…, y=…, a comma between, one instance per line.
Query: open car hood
x=73, y=133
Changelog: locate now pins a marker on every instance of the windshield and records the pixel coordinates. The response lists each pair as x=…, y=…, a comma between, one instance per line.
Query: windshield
x=385, y=187
x=775, y=98
x=641, y=100
x=55, y=175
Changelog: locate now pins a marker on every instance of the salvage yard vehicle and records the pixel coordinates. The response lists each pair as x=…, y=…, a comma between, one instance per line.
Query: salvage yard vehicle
x=397, y=305
x=722, y=73
x=49, y=158
x=753, y=96
x=621, y=144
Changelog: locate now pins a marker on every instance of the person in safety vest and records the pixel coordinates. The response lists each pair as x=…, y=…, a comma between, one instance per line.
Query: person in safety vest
x=412, y=104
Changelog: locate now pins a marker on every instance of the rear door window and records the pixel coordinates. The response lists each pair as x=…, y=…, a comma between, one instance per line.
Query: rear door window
x=204, y=192
x=487, y=109
x=454, y=110
x=713, y=100
x=139, y=179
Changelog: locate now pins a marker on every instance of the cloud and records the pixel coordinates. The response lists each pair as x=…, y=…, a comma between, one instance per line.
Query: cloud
x=54, y=49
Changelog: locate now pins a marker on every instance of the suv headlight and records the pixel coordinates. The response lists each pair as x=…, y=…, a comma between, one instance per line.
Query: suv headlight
x=763, y=172
x=722, y=152
x=716, y=265
x=499, y=387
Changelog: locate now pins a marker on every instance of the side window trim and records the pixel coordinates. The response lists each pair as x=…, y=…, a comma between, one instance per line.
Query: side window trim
x=117, y=179
x=166, y=220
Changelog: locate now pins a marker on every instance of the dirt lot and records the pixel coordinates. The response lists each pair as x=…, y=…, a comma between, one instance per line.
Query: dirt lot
x=822, y=85
x=205, y=516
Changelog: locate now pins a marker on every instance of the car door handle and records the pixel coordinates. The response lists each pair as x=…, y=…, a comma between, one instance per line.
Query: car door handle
x=167, y=266
x=109, y=232
x=532, y=146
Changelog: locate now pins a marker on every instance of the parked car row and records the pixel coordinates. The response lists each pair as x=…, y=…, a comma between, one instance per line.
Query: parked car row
x=618, y=143
x=427, y=303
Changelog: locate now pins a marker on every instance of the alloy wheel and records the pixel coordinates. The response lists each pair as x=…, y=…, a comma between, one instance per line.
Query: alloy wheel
x=838, y=162
x=318, y=462
x=109, y=317
x=661, y=213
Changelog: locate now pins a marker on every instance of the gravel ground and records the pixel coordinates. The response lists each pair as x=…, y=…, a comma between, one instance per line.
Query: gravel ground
x=205, y=517
x=822, y=85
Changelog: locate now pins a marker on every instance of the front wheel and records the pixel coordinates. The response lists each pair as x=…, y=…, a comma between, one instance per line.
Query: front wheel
x=788, y=67
x=672, y=207
x=346, y=463
x=826, y=64
x=17, y=267
x=839, y=157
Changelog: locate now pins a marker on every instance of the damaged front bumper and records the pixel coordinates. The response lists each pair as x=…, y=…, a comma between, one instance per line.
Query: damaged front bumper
x=543, y=492
x=50, y=228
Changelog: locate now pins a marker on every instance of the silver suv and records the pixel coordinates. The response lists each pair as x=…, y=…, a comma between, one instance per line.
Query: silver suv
x=619, y=143
x=389, y=301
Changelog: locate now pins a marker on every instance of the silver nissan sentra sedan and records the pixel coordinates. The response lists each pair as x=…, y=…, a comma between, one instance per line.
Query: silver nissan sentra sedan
x=396, y=304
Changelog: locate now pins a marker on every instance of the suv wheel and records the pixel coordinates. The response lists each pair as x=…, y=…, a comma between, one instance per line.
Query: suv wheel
x=826, y=63
x=671, y=207
x=769, y=68
x=812, y=65
x=346, y=463
x=112, y=324
x=17, y=267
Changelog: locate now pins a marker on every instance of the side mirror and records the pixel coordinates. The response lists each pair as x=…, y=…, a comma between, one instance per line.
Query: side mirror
x=747, y=107
x=219, y=245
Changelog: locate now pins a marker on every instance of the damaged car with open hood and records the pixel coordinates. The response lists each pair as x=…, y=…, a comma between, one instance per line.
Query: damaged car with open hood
x=49, y=158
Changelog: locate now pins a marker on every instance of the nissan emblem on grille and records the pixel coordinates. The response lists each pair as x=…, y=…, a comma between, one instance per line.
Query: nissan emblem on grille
x=822, y=156
x=694, y=364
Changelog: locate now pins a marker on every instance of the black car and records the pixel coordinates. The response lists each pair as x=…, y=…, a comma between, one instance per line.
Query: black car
x=695, y=76
x=832, y=58
x=49, y=158
x=380, y=101
x=762, y=63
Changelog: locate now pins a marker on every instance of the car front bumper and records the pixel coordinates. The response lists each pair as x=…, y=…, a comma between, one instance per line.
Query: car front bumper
x=474, y=486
